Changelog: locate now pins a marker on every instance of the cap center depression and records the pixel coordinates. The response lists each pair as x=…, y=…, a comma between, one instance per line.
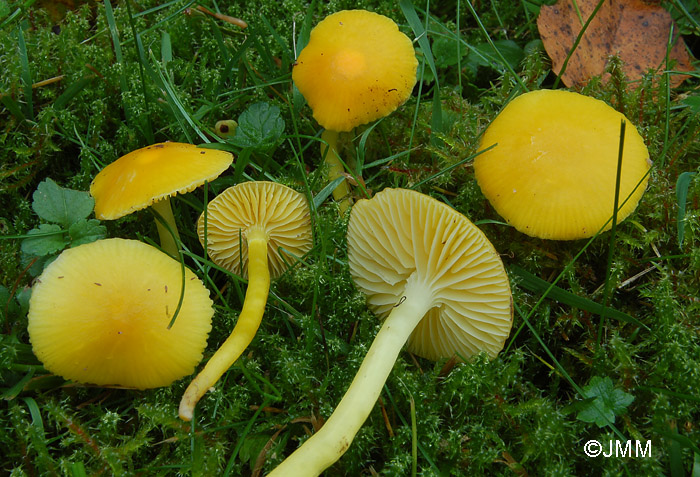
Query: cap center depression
x=348, y=64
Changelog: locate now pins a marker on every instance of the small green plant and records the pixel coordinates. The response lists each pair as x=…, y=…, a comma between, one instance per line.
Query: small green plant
x=260, y=127
x=66, y=214
x=259, y=131
x=603, y=402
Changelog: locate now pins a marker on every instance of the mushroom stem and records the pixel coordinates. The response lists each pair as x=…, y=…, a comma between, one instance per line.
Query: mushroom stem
x=327, y=445
x=335, y=167
x=167, y=242
x=245, y=329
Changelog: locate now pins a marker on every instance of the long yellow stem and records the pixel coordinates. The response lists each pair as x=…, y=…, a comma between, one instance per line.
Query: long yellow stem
x=167, y=241
x=245, y=329
x=335, y=168
x=327, y=445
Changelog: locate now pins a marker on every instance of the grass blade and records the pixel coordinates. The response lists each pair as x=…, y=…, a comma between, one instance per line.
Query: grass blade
x=504, y=62
x=682, y=185
x=537, y=285
x=422, y=38
x=38, y=435
x=414, y=440
x=166, y=49
x=326, y=191
x=72, y=91
x=26, y=72
x=613, y=230
x=12, y=107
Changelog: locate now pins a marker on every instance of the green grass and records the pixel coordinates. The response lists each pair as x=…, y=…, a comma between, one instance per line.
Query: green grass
x=130, y=74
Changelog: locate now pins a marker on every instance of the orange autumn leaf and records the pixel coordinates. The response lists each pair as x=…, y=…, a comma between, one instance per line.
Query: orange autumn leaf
x=634, y=30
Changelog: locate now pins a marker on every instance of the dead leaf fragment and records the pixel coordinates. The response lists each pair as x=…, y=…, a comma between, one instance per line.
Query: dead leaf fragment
x=636, y=31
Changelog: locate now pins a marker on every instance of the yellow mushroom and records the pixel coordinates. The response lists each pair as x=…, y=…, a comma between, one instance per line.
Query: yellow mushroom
x=226, y=128
x=100, y=312
x=553, y=169
x=150, y=176
x=442, y=289
x=251, y=229
x=356, y=68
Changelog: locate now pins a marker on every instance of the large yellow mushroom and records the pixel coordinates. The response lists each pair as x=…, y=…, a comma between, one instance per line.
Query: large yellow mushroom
x=356, y=68
x=553, y=169
x=100, y=314
x=439, y=284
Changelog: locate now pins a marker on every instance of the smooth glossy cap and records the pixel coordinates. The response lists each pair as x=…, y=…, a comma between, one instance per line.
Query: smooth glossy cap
x=280, y=212
x=357, y=67
x=400, y=233
x=552, y=171
x=99, y=314
x=147, y=175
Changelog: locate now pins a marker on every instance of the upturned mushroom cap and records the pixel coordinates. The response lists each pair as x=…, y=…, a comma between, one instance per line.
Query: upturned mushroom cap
x=282, y=213
x=357, y=67
x=402, y=233
x=552, y=172
x=100, y=313
x=142, y=177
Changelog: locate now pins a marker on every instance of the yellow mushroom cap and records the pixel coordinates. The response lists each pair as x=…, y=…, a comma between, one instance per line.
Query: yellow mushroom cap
x=100, y=312
x=552, y=172
x=357, y=67
x=147, y=175
x=282, y=213
x=400, y=233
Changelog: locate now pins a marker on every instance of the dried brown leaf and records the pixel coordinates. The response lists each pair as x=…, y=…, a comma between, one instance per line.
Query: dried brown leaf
x=634, y=30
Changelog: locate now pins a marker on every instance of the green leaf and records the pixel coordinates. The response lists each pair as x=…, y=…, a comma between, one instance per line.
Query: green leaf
x=485, y=55
x=54, y=203
x=682, y=185
x=51, y=239
x=22, y=296
x=608, y=402
x=252, y=445
x=4, y=9
x=16, y=305
x=259, y=127
x=693, y=102
x=446, y=51
x=86, y=231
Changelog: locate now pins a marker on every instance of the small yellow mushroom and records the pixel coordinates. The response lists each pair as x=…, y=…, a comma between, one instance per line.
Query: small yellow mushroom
x=150, y=176
x=251, y=229
x=357, y=67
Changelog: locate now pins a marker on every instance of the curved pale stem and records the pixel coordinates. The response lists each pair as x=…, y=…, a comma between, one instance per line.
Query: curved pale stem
x=327, y=445
x=167, y=241
x=245, y=329
x=335, y=168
